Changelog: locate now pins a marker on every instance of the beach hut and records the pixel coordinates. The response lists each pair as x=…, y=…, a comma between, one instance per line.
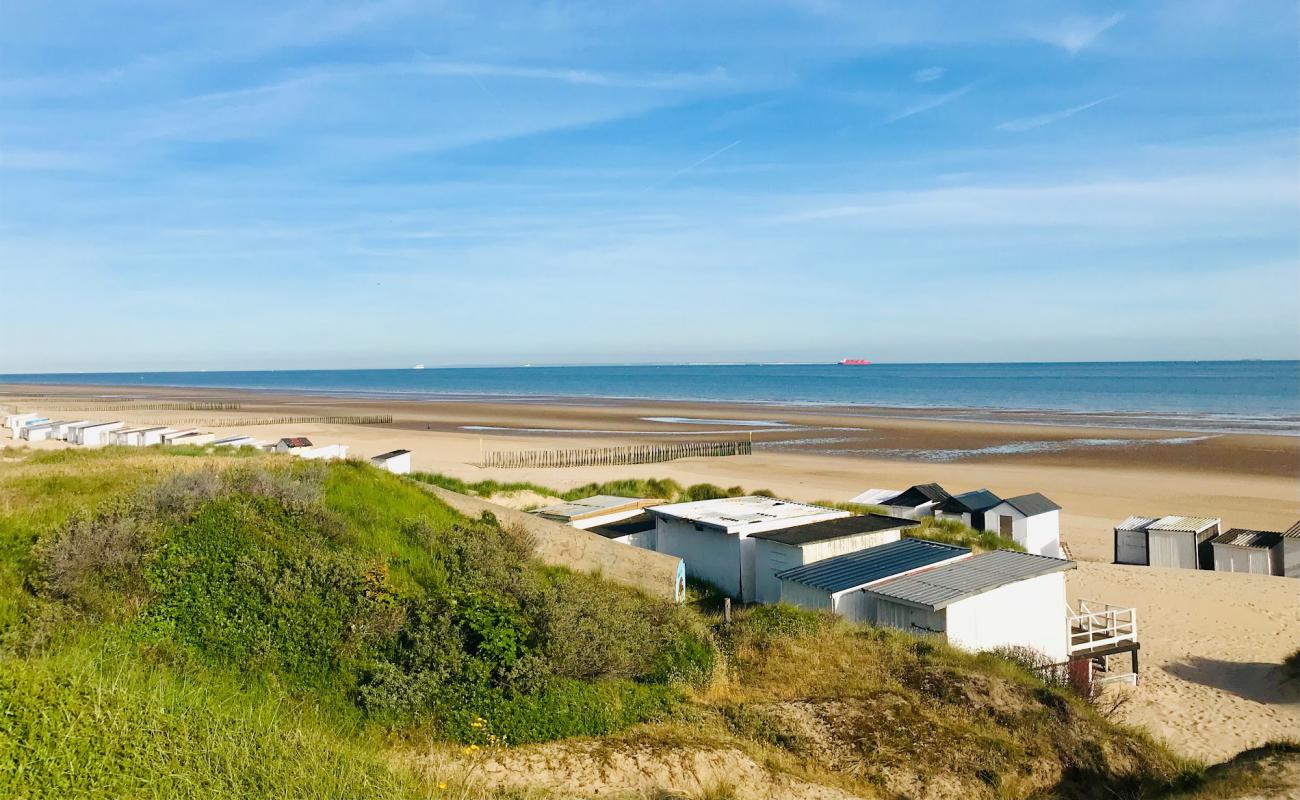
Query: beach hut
x=25, y=422
x=1031, y=520
x=712, y=537
x=875, y=497
x=968, y=508
x=37, y=433
x=96, y=434
x=147, y=437
x=327, y=452
x=171, y=435
x=1169, y=541
x=236, y=440
x=397, y=462
x=15, y=422
x=786, y=548
x=292, y=443
x=600, y=509
x=638, y=531
x=1242, y=550
x=59, y=430
x=191, y=438
x=838, y=584
x=1291, y=551
x=985, y=602
x=916, y=502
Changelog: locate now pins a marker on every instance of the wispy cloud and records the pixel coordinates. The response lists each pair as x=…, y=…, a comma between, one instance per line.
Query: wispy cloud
x=929, y=104
x=1075, y=33
x=928, y=74
x=704, y=160
x=1029, y=123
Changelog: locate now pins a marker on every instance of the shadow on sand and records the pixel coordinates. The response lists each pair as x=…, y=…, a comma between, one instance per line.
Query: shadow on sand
x=1261, y=682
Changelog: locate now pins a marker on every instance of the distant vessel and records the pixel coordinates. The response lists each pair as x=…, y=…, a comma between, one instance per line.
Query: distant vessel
x=418, y=366
x=854, y=362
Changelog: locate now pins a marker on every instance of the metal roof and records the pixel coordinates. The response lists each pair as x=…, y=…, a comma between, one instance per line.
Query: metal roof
x=919, y=495
x=389, y=454
x=1032, y=504
x=295, y=441
x=873, y=497
x=978, y=500
x=835, y=529
x=625, y=527
x=940, y=587
x=593, y=506
x=1187, y=524
x=852, y=570
x=1136, y=523
x=1292, y=532
x=1242, y=537
x=732, y=513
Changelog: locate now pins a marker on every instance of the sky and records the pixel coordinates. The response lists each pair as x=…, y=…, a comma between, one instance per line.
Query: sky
x=241, y=185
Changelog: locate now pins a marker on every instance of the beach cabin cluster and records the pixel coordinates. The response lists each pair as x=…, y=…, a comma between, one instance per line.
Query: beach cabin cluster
x=1030, y=520
x=34, y=427
x=1184, y=542
x=868, y=569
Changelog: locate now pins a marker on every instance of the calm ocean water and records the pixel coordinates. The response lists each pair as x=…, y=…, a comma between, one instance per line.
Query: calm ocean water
x=1207, y=395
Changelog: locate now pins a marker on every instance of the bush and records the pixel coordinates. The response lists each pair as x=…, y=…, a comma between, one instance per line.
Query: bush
x=95, y=563
x=288, y=572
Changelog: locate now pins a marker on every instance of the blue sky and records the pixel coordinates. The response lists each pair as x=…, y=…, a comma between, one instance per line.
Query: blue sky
x=253, y=185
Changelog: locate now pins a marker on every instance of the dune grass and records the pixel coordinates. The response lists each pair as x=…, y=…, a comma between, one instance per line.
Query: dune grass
x=173, y=626
x=659, y=488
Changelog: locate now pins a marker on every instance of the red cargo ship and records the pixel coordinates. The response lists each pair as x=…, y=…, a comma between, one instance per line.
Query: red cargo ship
x=854, y=362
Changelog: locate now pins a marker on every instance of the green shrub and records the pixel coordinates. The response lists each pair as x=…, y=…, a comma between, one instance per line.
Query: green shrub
x=355, y=585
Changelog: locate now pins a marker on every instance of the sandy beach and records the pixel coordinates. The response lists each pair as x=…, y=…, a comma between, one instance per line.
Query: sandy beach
x=1211, y=642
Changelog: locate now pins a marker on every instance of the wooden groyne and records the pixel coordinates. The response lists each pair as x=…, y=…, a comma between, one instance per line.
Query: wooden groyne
x=105, y=405
x=360, y=419
x=613, y=456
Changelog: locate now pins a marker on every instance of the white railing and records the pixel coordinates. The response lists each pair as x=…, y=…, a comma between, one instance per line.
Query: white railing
x=1096, y=625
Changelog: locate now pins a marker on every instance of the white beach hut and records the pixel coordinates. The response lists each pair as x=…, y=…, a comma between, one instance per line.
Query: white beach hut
x=1169, y=541
x=327, y=452
x=786, y=548
x=148, y=437
x=289, y=444
x=1241, y=550
x=837, y=584
x=984, y=602
x=397, y=462
x=875, y=497
x=1291, y=551
x=1033, y=521
x=14, y=422
x=60, y=430
x=28, y=421
x=143, y=437
x=171, y=435
x=235, y=440
x=712, y=536
x=191, y=438
x=37, y=433
x=96, y=434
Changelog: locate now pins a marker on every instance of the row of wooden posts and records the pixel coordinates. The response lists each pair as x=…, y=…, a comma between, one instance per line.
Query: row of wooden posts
x=97, y=406
x=613, y=456
x=368, y=419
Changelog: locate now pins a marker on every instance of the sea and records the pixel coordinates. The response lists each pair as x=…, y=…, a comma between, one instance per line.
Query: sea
x=1218, y=396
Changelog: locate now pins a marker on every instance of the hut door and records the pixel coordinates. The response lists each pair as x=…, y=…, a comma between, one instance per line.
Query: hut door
x=1004, y=524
